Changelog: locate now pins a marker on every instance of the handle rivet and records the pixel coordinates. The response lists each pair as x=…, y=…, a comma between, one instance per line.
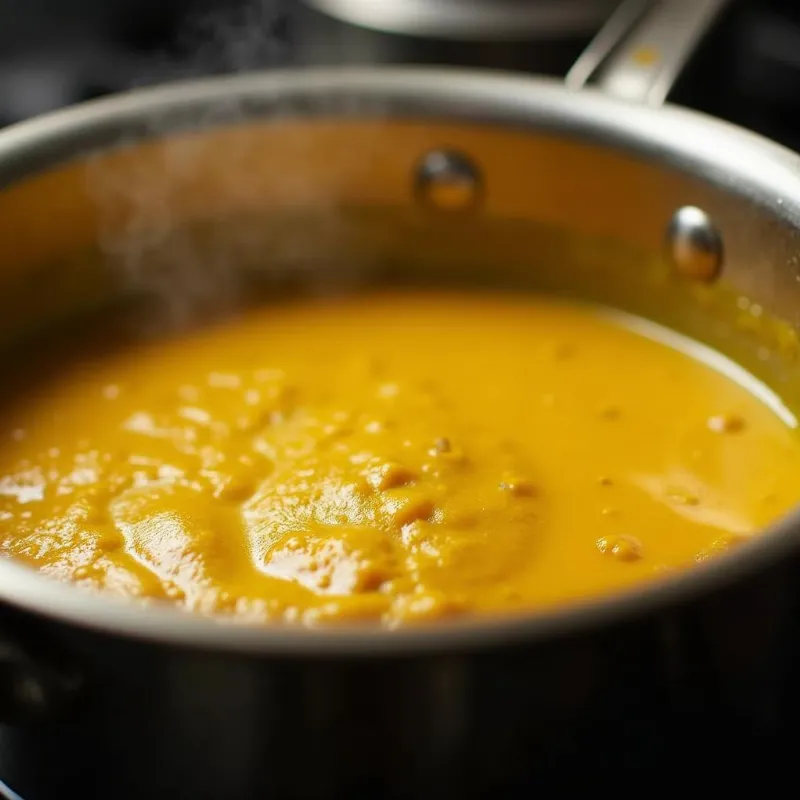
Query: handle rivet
x=694, y=245
x=448, y=180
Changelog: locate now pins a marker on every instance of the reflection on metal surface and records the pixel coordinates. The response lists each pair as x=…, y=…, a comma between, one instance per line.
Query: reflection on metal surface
x=448, y=180
x=640, y=52
x=472, y=19
x=6, y=793
x=616, y=28
x=646, y=56
x=694, y=244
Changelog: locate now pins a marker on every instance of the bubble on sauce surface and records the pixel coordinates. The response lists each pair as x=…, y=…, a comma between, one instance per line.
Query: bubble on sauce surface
x=517, y=485
x=342, y=610
x=336, y=559
x=682, y=497
x=727, y=423
x=428, y=606
x=390, y=475
x=721, y=545
x=622, y=547
x=404, y=506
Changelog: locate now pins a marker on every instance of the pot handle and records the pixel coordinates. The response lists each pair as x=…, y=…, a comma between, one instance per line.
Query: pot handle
x=640, y=51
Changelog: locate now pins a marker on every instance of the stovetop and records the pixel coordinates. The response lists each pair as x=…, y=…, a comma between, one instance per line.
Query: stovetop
x=747, y=71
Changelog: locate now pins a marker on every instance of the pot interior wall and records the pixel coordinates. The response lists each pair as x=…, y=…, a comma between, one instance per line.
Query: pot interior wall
x=200, y=222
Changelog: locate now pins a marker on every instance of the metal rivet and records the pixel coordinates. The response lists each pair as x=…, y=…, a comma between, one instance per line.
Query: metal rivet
x=448, y=181
x=694, y=244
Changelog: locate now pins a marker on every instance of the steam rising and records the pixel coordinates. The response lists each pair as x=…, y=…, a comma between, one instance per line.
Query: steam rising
x=200, y=268
x=250, y=36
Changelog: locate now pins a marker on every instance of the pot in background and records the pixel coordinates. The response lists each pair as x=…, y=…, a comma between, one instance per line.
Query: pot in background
x=472, y=20
x=542, y=36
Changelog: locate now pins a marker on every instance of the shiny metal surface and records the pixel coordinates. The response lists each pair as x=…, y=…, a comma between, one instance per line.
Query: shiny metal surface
x=694, y=244
x=640, y=52
x=315, y=175
x=448, y=181
x=614, y=31
x=333, y=141
x=7, y=793
x=472, y=19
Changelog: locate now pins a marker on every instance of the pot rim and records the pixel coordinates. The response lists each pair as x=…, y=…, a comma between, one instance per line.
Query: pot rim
x=730, y=157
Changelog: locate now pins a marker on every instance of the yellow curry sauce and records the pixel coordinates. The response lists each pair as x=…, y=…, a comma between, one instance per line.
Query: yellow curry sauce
x=395, y=456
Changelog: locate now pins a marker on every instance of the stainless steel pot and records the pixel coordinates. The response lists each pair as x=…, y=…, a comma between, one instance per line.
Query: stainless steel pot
x=474, y=20
x=537, y=36
x=319, y=177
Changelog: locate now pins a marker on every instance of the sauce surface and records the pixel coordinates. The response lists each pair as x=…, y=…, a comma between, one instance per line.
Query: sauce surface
x=396, y=457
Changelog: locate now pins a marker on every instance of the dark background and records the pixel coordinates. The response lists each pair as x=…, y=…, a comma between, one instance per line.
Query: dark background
x=57, y=52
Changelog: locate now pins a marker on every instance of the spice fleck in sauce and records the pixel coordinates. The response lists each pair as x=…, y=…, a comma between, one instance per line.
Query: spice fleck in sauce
x=393, y=457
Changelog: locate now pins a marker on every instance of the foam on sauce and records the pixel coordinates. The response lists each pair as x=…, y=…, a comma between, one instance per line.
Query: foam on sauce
x=395, y=457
